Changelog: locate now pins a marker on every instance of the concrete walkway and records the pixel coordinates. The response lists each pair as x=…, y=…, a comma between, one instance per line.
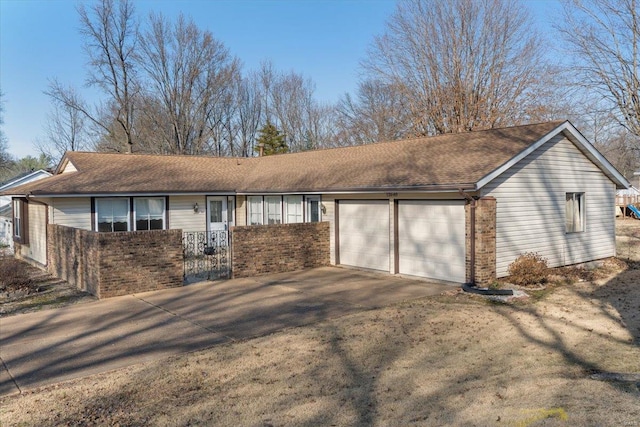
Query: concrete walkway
x=47, y=347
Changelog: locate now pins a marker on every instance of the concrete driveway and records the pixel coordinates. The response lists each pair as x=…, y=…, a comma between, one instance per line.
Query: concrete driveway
x=76, y=341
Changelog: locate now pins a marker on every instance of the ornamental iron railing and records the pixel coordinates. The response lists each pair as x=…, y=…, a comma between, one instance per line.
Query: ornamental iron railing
x=206, y=255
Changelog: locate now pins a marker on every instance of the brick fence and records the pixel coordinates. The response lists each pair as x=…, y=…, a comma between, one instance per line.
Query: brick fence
x=113, y=264
x=278, y=248
x=485, y=241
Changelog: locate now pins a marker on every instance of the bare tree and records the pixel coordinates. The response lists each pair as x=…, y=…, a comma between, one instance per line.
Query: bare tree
x=460, y=64
x=377, y=114
x=248, y=115
x=65, y=128
x=189, y=74
x=604, y=36
x=620, y=148
x=290, y=106
x=110, y=31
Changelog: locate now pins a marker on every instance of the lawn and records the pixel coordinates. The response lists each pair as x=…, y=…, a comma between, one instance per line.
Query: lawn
x=455, y=359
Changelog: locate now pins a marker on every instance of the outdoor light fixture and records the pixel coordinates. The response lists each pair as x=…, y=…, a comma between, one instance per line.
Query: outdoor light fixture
x=196, y=208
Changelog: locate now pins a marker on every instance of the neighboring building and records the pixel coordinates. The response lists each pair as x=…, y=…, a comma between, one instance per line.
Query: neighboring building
x=407, y=207
x=6, y=212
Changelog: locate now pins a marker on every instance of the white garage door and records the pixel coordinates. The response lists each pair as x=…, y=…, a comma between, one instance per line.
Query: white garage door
x=431, y=239
x=363, y=227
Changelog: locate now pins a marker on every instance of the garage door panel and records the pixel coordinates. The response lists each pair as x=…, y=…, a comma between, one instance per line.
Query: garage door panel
x=364, y=233
x=431, y=239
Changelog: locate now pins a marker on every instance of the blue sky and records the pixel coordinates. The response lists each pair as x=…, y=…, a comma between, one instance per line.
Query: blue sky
x=322, y=39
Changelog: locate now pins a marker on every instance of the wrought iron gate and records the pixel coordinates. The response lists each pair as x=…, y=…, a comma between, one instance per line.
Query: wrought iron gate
x=206, y=255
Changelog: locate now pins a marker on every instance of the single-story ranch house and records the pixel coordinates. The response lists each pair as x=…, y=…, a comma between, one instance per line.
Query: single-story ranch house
x=456, y=207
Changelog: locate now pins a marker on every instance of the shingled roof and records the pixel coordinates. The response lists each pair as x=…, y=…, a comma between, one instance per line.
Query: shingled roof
x=431, y=163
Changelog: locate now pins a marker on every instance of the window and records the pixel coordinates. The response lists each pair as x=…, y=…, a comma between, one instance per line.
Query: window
x=215, y=211
x=149, y=213
x=112, y=214
x=313, y=209
x=254, y=206
x=293, y=209
x=19, y=221
x=273, y=210
x=574, y=212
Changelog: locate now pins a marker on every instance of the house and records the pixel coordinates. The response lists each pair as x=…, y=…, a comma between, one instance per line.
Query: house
x=457, y=207
x=6, y=212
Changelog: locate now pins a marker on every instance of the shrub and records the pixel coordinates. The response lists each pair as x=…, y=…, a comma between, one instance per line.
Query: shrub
x=14, y=274
x=528, y=269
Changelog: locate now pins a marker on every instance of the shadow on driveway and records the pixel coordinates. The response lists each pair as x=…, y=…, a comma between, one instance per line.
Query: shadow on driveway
x=38, y=349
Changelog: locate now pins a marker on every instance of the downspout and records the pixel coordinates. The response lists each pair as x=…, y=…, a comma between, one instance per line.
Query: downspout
x=472, y=237
x=471, y=286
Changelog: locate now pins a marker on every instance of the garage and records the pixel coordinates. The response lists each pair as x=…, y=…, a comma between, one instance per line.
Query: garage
x=431, y=239
x=363, y=230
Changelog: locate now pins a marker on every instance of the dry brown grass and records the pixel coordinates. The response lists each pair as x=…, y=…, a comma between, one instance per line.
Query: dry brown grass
x=24, y=288
x=450, y=360
x=14, y=275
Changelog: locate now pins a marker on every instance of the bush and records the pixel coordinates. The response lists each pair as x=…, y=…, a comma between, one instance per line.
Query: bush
x=528, y=269
x=14, y=274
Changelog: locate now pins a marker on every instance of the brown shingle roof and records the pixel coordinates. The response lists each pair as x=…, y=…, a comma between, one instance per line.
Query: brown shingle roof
x=445, y=161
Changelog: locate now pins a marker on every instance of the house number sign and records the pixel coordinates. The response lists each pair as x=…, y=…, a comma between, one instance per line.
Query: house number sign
x=392, y=194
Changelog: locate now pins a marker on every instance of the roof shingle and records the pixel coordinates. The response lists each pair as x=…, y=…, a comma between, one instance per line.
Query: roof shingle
x=444, y=161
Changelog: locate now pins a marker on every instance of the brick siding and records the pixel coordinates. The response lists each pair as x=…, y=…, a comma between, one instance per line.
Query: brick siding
x=485, y=241
x=114, y=264
x=265, y=249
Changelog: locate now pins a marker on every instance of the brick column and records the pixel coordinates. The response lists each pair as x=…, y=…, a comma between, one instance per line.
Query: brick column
x=485, y=241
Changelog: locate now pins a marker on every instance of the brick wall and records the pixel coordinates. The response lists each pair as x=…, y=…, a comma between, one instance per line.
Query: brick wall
x=113, y=264
x=485, y=241
x=72, y=255
x=265, y=249
x=140, y=261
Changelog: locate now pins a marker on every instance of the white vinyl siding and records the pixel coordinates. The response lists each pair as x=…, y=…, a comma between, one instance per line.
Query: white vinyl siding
x=182, y=215
x=38, y=233
x=531, y=202
x=71, y=212
x=364, y=233
x=240, y=211
x=431, y=239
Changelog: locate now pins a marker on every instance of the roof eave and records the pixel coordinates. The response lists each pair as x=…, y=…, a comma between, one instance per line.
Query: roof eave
x=439, y=188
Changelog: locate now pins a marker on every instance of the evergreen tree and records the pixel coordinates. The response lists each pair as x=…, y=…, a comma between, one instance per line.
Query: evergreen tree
x=272, y=139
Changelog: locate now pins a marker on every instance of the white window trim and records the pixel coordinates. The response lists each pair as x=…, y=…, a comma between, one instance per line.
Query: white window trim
x=135, y=211
x=97, y=215
x=580, y=197
x=250, y=212
x=17, y=219
x=307, y=208
x=265, y=203
x=286, y=204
